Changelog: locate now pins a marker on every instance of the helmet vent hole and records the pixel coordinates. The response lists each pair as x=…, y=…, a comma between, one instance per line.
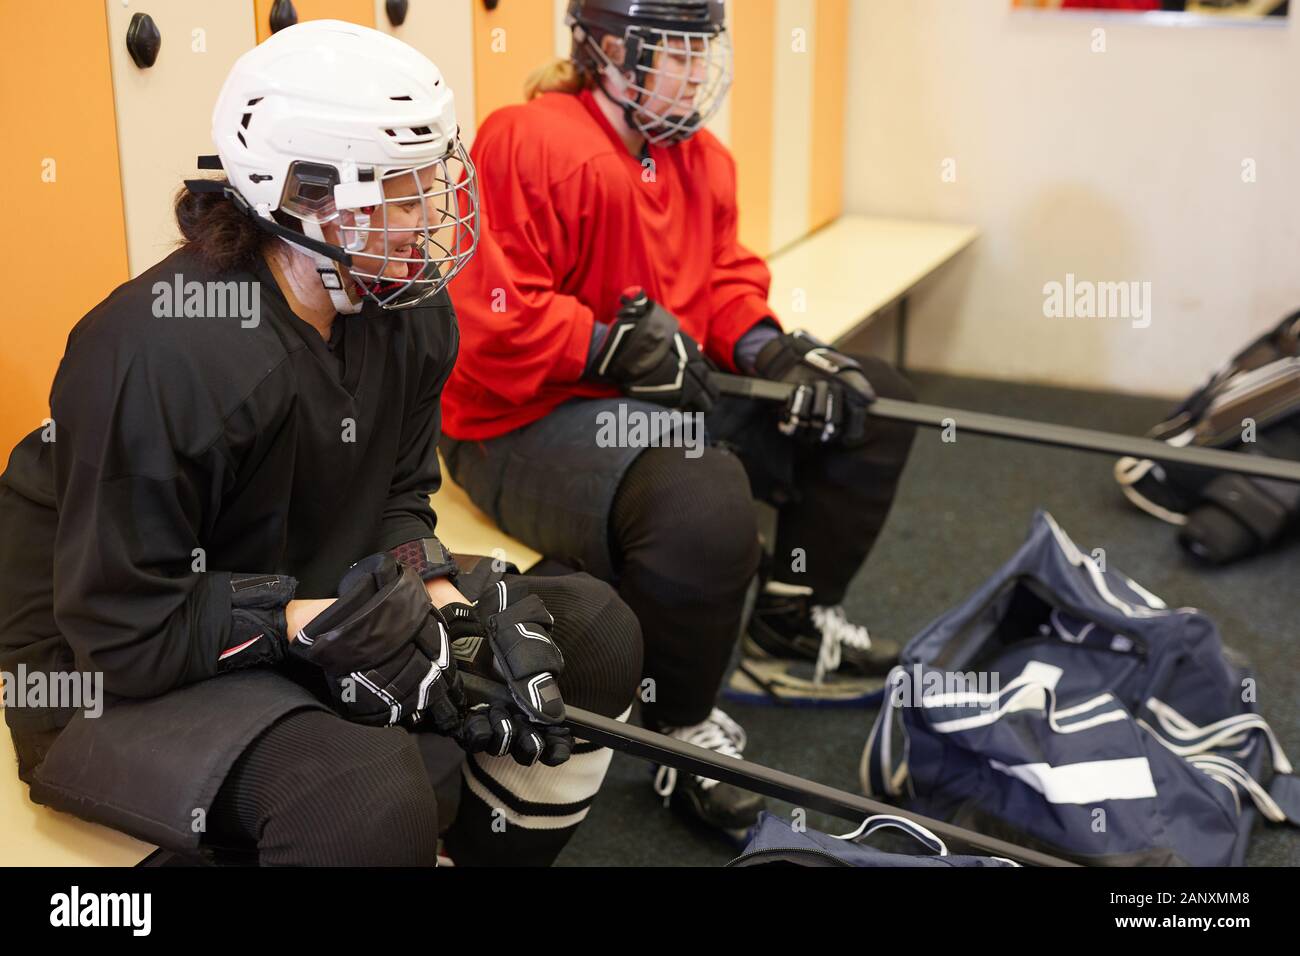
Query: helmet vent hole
x=254, y=101
x=244, y=121
x=400, y=99
x=413, y=136
x=242, y=142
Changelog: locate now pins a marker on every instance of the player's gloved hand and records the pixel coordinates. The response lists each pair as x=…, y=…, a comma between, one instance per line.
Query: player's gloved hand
x=831, y=395
x=648, y=356
x=497, y=731
x=384, y=648
x=507, y=637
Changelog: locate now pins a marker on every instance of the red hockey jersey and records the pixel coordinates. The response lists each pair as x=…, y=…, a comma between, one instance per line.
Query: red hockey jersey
x=569, y=220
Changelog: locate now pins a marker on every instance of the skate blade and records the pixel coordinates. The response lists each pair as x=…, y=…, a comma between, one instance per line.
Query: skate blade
x=785, y=683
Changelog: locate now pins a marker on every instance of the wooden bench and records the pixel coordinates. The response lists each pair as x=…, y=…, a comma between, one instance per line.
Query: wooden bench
x=32, y=835
x=847, y=274
x=467, y=530
x=833, y=283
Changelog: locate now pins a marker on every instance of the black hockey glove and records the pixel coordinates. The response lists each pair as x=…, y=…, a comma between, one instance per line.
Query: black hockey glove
x=648, y=356
x=384, y=648
x=507, y=637
x=831, y=395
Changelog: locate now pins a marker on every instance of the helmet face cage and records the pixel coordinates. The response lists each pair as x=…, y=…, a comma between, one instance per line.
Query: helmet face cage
x=442, y=241
x=666, y=59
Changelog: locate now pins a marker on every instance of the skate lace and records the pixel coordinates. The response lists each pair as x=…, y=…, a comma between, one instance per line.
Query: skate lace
x=837, y=630
x=718, y=733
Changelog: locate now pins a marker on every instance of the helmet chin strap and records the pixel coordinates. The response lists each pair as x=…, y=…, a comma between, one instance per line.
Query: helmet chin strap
x=634, y=108
x=337, y=283
x=615, y=89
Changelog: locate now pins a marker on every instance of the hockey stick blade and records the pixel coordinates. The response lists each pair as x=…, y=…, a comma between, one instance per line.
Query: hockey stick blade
x=1041, y=433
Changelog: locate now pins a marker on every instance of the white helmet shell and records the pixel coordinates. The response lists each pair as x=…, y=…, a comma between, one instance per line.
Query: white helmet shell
x=328, y=91
x=315, y=120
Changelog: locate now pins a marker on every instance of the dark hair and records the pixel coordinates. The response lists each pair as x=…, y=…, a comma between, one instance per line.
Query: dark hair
x=218, y=233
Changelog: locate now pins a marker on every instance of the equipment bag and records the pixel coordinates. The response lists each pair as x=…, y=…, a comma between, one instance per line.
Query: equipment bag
x=1065, y=708
x=776, y=842
x=1249, y=405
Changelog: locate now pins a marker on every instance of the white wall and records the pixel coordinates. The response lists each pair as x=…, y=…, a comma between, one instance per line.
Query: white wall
x=1120, y=165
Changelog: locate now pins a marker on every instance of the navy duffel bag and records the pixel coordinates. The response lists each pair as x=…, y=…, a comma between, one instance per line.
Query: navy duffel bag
x=1065, y=708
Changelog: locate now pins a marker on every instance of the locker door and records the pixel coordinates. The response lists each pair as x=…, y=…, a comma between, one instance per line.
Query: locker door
x=353, y=11
x=164, y=113
x=791, y=107
x=443, y=30
x=752, y=123
x=66, y=249
x=509, y=43
x=830, y=88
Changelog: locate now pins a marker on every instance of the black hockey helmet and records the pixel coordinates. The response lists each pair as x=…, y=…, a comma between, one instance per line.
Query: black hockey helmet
x=615, y=16
x=693, y=33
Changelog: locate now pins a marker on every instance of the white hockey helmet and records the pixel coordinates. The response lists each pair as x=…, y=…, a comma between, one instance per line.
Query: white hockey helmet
x=315, y=121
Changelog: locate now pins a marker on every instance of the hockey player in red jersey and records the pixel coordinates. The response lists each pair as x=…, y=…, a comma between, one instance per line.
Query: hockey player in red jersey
x=609, y=280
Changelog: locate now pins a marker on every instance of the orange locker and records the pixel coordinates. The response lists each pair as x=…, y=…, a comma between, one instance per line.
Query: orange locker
x=753, y=35
x=62, y=187
x=509, y=43
x=353, y=11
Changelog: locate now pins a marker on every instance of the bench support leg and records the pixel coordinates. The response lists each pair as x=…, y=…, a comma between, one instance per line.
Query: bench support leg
x=900, y=334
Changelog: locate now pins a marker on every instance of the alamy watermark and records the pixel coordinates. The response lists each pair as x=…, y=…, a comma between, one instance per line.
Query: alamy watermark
x=1083, y=299
x=76, y=690
x=922, y=687
x=209, y=300
x=75, y=908
x=642, y=428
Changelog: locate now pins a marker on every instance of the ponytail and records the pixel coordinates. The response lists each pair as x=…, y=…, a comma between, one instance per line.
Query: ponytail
x=558, y=76
x=219, y=234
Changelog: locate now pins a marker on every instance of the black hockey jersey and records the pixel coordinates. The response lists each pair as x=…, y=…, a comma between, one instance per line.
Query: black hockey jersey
x=185, y=448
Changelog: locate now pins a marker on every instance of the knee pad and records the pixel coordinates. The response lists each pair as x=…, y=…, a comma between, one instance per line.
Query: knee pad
x=688, y=521
x=600, y=639
x=365, y=799
x=888, y=381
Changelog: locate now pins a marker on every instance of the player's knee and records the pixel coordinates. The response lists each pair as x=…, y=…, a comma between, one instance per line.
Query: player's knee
x=717, y=538
x=601, y=641
x=374, y=806
x=886, y=380
x=888, y=437
x=695, y=523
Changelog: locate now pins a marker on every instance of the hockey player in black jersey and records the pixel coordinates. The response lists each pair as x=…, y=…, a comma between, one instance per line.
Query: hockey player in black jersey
x=228, y=521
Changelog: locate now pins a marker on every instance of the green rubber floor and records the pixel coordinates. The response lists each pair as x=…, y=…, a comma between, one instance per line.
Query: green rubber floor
x=962, y=510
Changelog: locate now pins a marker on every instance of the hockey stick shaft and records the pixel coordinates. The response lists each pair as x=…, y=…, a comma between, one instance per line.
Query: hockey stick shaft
x=1042, y=433
x=687, y=758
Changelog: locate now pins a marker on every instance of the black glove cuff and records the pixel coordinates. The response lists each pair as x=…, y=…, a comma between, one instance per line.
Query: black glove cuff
x=258, y=627
x=776, y=358
x=639, y=340
x=461, y=620
x=428, y=558
x=469, y=642
x=799, y=356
